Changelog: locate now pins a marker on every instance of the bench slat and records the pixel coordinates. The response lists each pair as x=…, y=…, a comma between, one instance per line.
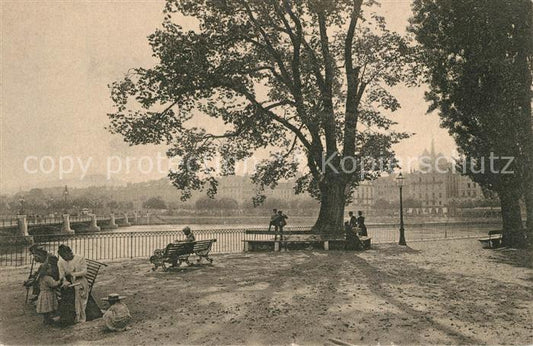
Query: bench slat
x=93, y=267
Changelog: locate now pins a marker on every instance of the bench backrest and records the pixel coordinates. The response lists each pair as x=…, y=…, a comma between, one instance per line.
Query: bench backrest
x=273, y=232
x=92, y=271
x=203, y=245
x=495, y=234
x=180, y=248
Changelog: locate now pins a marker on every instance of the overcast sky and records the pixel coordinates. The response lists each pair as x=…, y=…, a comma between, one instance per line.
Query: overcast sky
x=58, y=58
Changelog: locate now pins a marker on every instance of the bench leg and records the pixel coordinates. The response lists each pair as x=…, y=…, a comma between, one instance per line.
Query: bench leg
x=206, y=256
x=326, y=245
x=246, y=247
x=156, y=261
x=276, y=246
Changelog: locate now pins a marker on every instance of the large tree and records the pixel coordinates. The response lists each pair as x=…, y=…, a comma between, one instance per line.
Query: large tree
x=312, y=76
x=477, y=56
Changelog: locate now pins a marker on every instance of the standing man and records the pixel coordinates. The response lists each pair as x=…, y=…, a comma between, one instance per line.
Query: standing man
x=353, y=220
x=273, y=219
x=281, y=220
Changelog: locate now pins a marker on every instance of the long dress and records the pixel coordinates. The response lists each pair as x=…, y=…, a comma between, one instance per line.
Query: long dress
x=352, y=242
x=77, y=268
x=47, y=301
x=362, y=226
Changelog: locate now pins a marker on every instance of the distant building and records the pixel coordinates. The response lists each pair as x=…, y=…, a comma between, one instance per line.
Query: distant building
x=363, y=196
x=236, y=187
x=433, y=188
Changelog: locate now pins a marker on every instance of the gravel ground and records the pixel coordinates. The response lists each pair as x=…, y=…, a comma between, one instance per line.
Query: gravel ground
x=441, y=292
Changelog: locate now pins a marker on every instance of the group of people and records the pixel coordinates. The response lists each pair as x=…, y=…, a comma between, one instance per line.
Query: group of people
x=61, y=290
x=278, y=220
x=357, y=223
x=355, y=228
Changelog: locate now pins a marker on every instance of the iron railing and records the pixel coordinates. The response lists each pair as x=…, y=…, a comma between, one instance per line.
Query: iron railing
x=122, y=245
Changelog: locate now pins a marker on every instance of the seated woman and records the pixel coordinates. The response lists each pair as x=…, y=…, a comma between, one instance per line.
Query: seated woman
x=73, y=269
x=352, y=241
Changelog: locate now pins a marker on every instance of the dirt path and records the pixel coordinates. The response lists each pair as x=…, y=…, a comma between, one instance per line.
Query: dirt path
x=444, y=292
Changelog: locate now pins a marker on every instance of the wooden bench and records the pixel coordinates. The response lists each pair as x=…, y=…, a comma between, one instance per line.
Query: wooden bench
x=202, y=248
x=493, y=240
x=177, y=253
x=93, y=267
x=315, y=241
x=366, y=242
x=278, y=240
x=92, y=311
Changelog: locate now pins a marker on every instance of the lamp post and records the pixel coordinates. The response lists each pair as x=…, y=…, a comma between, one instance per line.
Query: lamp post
x=399, y=181
x=65, y=200
x=21, y=206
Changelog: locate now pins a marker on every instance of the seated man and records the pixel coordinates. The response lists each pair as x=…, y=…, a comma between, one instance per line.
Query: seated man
x=189, y=237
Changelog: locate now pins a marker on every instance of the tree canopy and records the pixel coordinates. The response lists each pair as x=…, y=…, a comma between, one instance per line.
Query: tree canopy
x=155, y=203
x=476, y=56
x=284, y=76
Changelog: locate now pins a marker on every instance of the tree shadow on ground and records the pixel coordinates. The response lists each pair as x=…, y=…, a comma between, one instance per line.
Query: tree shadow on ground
x=388, y=250
x=472, y=302
x=516, y=257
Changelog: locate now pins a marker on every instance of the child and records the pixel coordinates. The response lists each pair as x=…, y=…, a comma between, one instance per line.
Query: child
x=47, y=302
x=117, y=317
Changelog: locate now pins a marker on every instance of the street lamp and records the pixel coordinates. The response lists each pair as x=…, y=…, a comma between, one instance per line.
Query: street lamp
x=65, y=199
x=21, y=206
x=399, y=181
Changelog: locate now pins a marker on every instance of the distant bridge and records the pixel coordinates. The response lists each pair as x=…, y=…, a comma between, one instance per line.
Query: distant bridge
x=89, y=223
x=53, y=220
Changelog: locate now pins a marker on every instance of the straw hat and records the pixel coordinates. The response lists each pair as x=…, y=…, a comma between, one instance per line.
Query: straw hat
x=113, y=297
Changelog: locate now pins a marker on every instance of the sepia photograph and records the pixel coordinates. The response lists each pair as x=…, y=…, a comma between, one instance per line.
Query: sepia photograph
x=266, y=172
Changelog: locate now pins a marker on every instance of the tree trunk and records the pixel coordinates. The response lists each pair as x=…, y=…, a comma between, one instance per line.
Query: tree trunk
x=331, y=215
x=511, y=218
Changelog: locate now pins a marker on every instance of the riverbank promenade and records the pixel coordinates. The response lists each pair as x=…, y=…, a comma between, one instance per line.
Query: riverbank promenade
x=140, y=241
x=431, y=292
